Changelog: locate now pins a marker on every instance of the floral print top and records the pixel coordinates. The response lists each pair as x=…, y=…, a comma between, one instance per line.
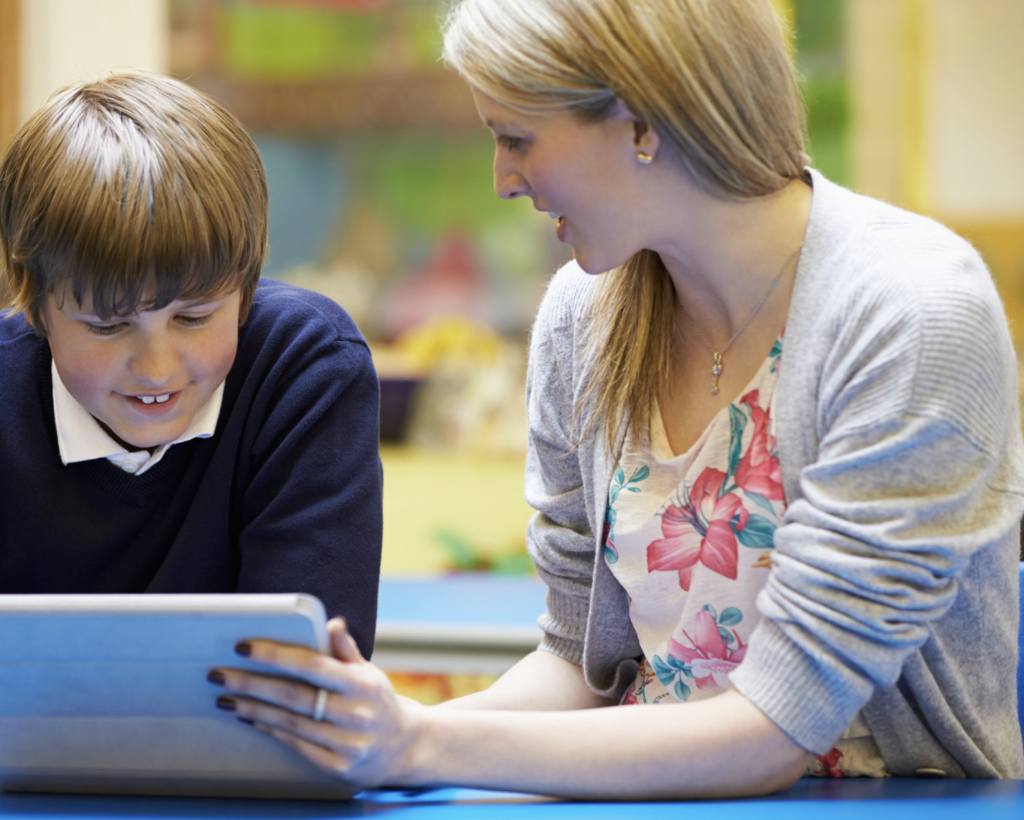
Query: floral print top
x=690, y=539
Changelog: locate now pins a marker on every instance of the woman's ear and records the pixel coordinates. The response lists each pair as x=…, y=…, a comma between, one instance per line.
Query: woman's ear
x=645, y=139
x=646, y=142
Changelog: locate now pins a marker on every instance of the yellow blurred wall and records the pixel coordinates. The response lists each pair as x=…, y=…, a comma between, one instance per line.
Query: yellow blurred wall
x=937, y=112
x=63, y=41
x=431, y=497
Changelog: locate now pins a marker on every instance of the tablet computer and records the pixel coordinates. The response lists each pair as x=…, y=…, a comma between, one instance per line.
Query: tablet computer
x=108, y=694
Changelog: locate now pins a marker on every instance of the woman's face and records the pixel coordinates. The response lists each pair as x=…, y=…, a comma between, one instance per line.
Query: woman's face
x=584, y=175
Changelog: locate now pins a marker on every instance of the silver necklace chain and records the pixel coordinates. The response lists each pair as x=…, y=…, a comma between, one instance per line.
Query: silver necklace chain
x=719, y=366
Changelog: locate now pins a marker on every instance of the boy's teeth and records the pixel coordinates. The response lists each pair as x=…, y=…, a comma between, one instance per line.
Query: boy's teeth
x=157, y=399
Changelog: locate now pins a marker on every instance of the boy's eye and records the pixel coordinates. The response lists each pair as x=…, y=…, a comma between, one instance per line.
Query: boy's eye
x=194, y=321
x=106, y=330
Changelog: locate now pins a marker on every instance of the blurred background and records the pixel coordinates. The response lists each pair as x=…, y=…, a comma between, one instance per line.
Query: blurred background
x=381, y=195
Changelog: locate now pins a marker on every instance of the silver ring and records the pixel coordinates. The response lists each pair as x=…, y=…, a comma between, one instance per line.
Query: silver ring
x=321, y=704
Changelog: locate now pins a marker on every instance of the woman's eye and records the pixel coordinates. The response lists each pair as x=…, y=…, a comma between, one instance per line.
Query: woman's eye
x=195, y=321
x=512, y=143
x=106, y=330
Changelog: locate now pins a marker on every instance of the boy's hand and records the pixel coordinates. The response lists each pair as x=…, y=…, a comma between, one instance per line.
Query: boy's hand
x=366, y=731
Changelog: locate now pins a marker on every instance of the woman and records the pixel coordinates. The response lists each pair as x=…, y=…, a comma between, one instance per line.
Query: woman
x=774, y=447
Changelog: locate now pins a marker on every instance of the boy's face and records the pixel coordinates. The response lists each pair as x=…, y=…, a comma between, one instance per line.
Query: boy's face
x=144, y=376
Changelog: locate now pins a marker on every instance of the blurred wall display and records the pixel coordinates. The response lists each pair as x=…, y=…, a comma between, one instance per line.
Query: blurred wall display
x=378, y=166
x=381, y=197
x=820, y=55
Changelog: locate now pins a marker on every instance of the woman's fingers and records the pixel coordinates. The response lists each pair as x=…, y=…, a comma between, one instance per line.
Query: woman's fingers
x=339, y=711
x=362, y=741
x=340, y=717
x=329, y=746
x=342, y=643
x=299, y=696
x=353, y=695
x=324, y=758
x=303, y=661
x=290, y=658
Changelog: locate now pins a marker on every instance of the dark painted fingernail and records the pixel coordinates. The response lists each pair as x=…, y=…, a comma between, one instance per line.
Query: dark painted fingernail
x=216, y=677
x=227, y=704
x=246, y=721
x=243, y=648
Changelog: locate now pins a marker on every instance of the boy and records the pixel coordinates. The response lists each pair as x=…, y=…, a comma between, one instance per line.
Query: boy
x=168, y=425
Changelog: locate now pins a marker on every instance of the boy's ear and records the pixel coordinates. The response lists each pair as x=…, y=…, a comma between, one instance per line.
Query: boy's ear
x=39, y=327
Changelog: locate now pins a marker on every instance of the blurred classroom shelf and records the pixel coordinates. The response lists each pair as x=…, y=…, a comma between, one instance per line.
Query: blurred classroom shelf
x=445, y=636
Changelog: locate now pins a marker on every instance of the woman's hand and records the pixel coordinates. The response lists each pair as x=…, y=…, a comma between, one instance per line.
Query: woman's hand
x=366, y=731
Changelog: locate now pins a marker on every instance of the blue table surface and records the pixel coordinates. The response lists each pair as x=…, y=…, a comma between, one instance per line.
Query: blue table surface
x=837, y=799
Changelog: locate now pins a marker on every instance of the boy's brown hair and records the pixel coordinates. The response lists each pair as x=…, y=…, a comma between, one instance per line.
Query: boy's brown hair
x=133, y=191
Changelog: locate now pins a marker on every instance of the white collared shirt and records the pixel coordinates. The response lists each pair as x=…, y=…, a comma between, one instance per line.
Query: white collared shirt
x=81, y=438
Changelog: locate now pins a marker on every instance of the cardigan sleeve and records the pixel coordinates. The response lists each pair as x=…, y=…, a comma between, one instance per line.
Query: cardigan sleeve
x=917, y=470
x=559, y=537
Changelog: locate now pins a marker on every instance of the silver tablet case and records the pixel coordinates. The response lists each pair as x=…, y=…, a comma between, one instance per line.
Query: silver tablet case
x=108, y=694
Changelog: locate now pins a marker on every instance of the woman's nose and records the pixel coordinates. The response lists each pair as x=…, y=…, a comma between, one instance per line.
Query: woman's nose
x=508, y=182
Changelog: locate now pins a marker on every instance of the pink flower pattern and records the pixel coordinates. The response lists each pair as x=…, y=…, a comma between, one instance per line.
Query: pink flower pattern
x=759, y=471
x=702, y=529
x=709, y=656
x=709, y=519
x=827, y=765
x=729, y=497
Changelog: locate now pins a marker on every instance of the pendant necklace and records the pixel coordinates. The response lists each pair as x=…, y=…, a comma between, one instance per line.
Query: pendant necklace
x=719, y=366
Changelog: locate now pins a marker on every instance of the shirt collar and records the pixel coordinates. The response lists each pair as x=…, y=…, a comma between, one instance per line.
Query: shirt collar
x=81, y=438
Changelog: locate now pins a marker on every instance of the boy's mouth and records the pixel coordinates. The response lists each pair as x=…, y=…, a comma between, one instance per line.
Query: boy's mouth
x=154, y=403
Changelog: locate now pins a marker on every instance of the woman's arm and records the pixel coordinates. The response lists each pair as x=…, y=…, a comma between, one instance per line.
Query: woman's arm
x=369, y=736
x=539, y=682
x=721, y=747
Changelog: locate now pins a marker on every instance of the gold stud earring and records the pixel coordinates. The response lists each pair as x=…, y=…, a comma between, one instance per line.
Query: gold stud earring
x=644, y=159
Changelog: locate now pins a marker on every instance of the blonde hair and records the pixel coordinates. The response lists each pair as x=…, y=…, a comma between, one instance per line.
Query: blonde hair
x=713, y=79
x=136, y=190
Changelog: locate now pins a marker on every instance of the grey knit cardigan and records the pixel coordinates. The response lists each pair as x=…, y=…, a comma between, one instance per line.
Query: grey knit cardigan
x=895, y=584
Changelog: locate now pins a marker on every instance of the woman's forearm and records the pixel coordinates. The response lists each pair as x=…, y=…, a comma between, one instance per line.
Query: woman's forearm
x=359, y=730
x=720, y=747
x=539, y=682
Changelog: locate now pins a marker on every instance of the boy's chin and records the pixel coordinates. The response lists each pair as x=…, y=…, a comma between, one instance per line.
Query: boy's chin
x=136, y=440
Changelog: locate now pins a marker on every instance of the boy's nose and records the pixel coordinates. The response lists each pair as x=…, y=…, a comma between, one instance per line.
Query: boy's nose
x=154, y=363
